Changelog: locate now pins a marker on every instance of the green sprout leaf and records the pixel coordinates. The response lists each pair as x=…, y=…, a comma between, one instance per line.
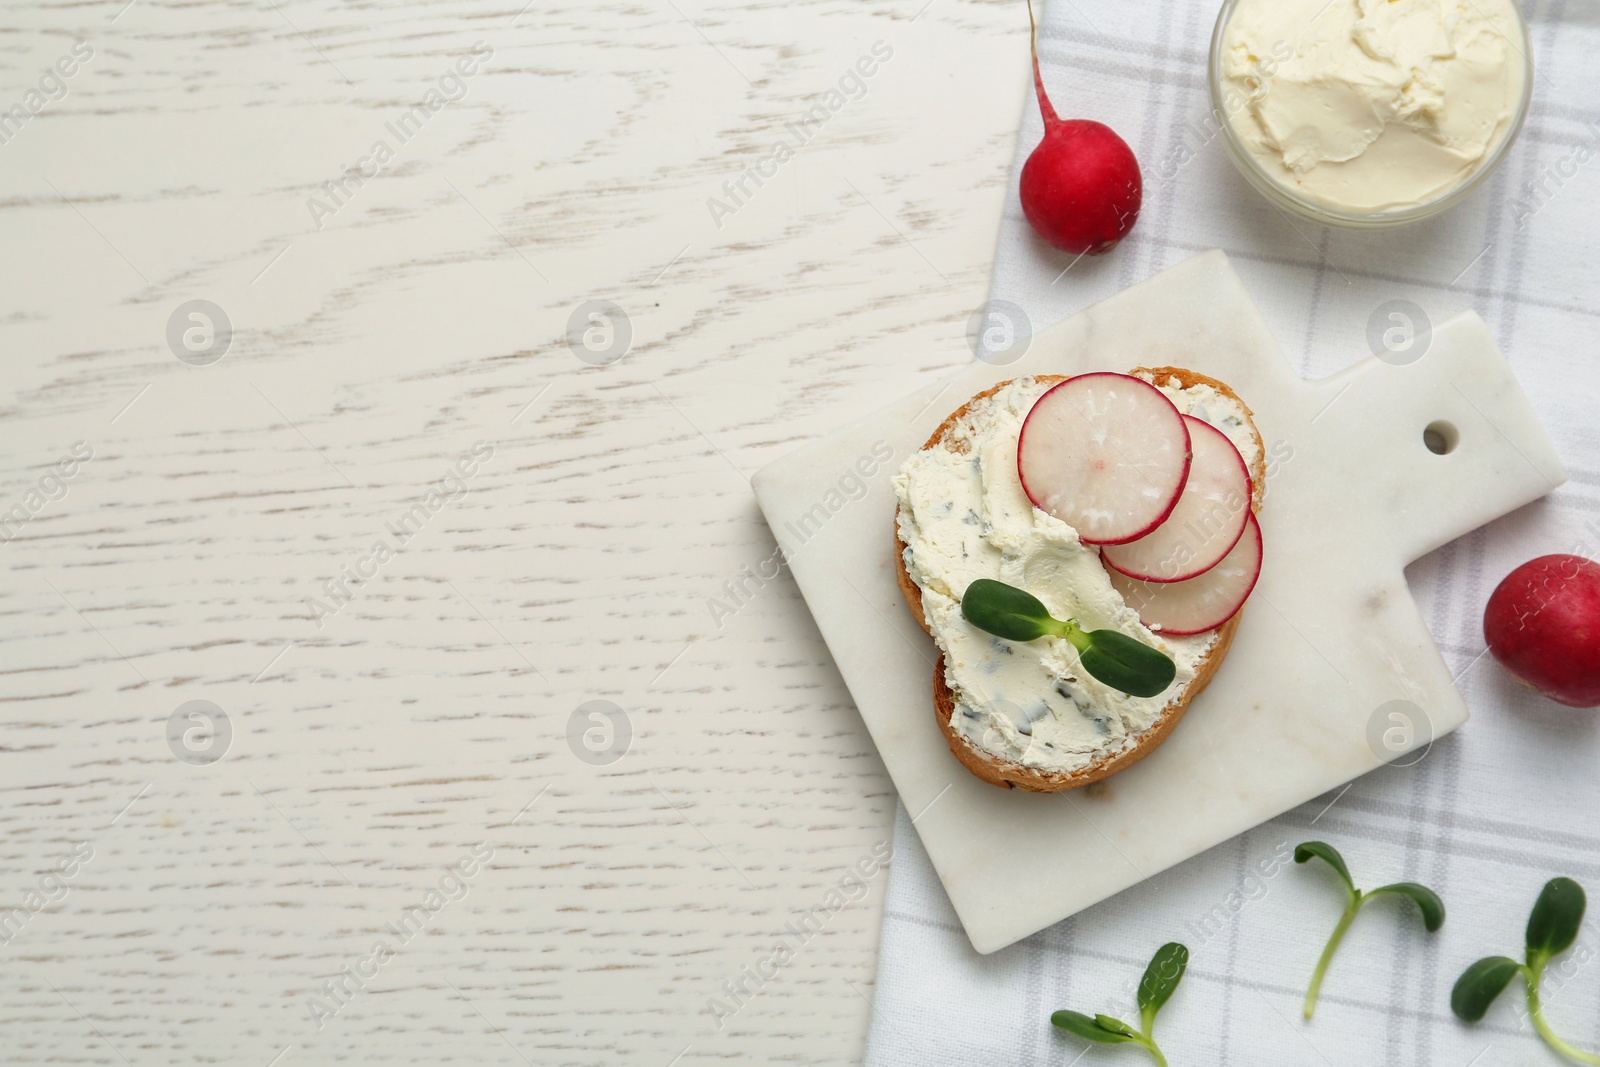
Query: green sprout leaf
x=1117, y=1026
x=1008, y=612
x=1480, y=984
x=1120, y=661
x=1081, y=1025
x=1427, y=902
x=1127, y=664
x=1426, y=899
x=1160, y=980
x=1552, y=929
x=1329, y=855
x=1557, y=915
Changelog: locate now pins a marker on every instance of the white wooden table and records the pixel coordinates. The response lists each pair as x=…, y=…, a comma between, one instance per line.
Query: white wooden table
x=170, y=907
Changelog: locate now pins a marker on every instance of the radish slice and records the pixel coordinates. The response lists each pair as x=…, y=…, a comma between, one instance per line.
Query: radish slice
x=1207, y=522
x=1107, y=454
x=1179, y=609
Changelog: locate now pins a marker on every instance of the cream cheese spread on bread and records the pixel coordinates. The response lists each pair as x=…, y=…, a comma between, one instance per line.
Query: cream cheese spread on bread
x=964, y=516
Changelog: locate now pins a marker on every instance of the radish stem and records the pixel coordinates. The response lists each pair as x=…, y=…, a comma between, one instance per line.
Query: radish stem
x=1046, y=108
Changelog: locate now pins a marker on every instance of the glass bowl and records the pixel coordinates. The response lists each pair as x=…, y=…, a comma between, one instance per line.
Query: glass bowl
x=1289, y=200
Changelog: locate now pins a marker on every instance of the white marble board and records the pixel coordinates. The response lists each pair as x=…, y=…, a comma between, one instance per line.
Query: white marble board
x=1329, y=643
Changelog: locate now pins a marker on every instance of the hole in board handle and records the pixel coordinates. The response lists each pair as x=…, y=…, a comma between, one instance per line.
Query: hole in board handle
x=1441, y=437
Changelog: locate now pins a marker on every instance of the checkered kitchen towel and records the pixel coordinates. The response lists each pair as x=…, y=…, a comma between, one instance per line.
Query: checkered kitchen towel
x=1492, y=811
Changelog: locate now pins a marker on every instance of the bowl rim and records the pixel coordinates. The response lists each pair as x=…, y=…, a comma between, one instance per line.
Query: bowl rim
x=1282, y=195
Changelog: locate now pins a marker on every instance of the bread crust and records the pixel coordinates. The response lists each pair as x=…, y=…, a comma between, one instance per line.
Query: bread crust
x=1009, y=774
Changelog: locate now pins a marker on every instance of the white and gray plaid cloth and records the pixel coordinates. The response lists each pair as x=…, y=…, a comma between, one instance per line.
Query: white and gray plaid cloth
x=1492, y=811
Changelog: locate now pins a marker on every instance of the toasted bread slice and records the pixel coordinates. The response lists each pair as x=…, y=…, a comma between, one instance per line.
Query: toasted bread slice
x=1007, y=773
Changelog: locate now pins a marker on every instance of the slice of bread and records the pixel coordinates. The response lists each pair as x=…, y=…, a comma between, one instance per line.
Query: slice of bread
x=1007, y=773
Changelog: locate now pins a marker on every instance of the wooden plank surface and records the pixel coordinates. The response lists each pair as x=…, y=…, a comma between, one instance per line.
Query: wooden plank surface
x=397, y=715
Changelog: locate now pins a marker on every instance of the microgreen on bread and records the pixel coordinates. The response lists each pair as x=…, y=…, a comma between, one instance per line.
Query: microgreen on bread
x=1552, y=929
x=1160, y=981
x=1116, y=659
x=1426, y=900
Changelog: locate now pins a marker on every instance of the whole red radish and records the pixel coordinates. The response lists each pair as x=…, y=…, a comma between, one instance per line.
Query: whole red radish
x=1543, y=625
x=1081, y=189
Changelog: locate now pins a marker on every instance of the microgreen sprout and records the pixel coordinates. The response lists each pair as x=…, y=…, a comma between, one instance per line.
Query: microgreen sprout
x=1426, y=900
x=1160, y=981
x=1114, y=658
x=1552, y=929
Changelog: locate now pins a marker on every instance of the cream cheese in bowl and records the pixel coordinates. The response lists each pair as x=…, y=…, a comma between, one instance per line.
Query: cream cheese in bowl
x=1370, y=112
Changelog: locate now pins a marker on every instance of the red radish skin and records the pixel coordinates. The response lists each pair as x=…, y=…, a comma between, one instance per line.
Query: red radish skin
x=1182, y=609
x=1543, y=625
x=1107, y=454
x=1207, y=521
x=1081, y=188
